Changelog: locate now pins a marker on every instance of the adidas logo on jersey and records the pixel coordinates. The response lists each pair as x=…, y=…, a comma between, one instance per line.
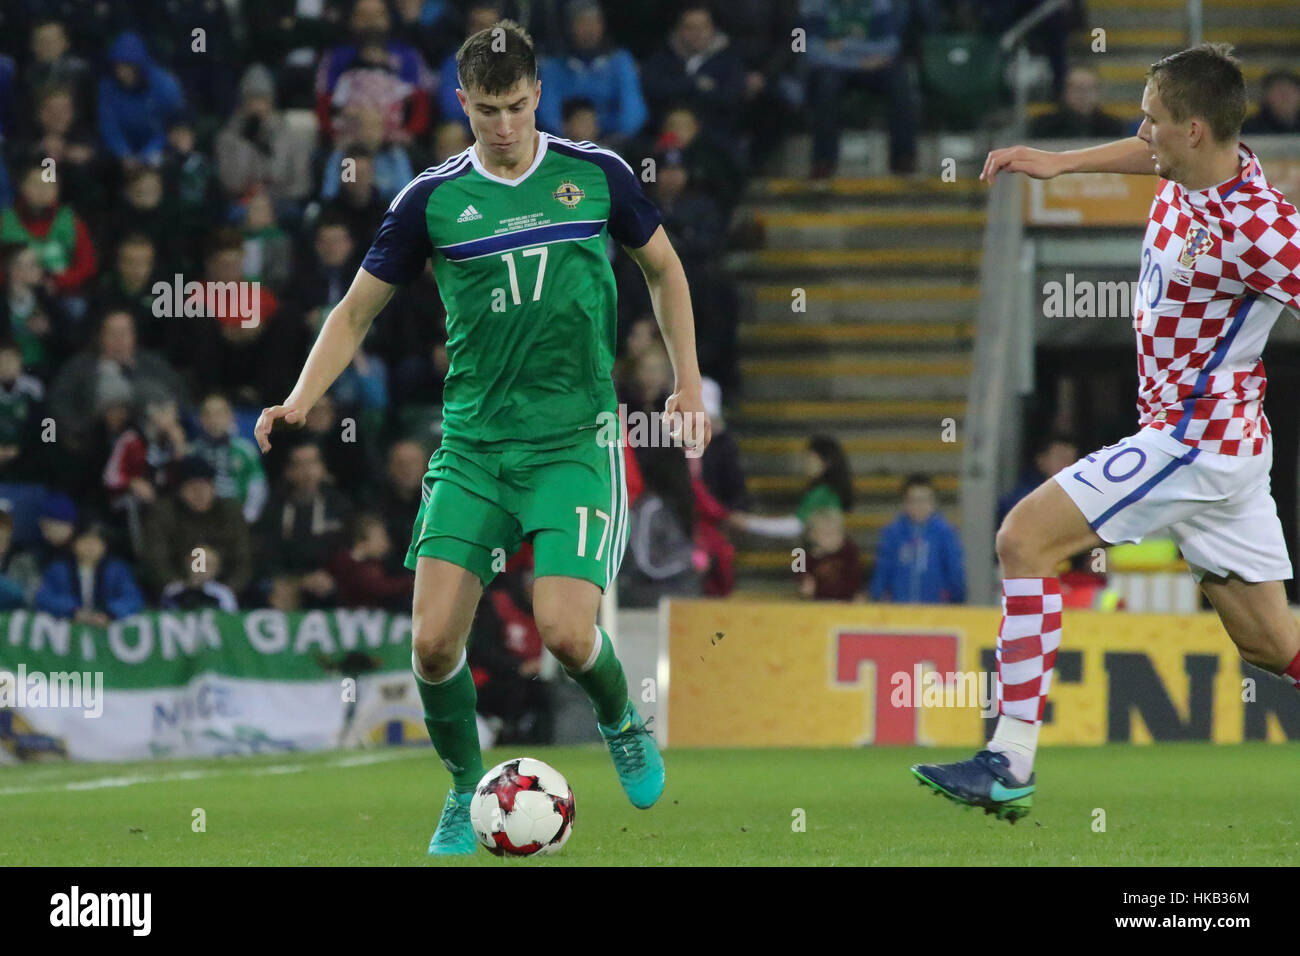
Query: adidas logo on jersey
x=469, y=215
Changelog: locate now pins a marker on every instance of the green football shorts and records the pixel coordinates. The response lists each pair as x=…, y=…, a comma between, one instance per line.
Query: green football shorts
x=477, y=508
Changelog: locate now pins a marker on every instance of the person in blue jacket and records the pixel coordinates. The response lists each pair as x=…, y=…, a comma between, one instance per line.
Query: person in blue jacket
x=595, y=71
x=919, y=556
x=89, y=586
x=136, y=102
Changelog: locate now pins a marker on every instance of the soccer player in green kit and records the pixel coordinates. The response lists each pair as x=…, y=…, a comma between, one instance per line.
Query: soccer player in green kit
x=516, y=227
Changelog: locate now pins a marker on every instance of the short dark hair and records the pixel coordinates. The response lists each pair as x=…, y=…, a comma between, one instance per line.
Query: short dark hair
x=1203, y=82
x=494, y=60
x=576, y=104
x=917, y=480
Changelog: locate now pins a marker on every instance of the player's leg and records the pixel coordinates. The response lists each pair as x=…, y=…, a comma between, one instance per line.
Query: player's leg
x=1043, y=529
x=565, y=609
x=1259, y=621
x=576, y=505
x=452, y=547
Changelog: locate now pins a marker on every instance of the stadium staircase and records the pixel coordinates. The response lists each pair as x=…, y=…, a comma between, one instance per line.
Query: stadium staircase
x=879, y=357
x=1265, y=33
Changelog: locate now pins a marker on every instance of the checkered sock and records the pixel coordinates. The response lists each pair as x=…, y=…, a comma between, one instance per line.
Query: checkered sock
x=1027, y=643
x=1292, y=671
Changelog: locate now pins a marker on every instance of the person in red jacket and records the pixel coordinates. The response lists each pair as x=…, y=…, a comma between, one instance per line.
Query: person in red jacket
x=39, y=221
x=358, y=570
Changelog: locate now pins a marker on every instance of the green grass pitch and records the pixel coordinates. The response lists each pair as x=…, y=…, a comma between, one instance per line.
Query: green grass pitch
x=1172, y=804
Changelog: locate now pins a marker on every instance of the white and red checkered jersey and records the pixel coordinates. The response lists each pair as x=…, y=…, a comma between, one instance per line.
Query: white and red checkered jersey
x=1218, y=266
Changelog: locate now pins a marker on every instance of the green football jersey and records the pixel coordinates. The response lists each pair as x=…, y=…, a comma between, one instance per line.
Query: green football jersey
x=523, y=269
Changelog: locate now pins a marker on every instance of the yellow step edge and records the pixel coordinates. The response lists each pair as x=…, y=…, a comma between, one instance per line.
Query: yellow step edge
x=1123, y=110
x=866, y=408
x=871, y=293
x=869, y=186
x=850, y=366
x=865, y=332
x=1181, y=5
x=1136, y=72
x=869, y=257
x=863, y=484
x=879, y=446
x=1176, y=38
x=873, y=217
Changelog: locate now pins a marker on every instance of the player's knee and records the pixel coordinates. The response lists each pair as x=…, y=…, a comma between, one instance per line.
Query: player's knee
x=1013, y=544
x=437, y=648
x=567, y=636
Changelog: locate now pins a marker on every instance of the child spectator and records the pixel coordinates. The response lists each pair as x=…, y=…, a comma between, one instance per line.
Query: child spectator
x=199, y=588
x=834, y=572
x=235, y=461
x=829, y=486
x=359, y=573
x=89, y=586
x=919, y=558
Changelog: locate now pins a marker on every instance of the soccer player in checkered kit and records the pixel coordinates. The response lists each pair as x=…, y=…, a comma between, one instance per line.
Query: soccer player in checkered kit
x=1220, y=261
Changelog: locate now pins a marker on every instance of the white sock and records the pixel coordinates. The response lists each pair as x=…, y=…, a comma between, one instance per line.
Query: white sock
x=1018, y=739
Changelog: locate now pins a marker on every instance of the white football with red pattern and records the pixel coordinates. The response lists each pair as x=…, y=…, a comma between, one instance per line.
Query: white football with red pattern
x=522, y=807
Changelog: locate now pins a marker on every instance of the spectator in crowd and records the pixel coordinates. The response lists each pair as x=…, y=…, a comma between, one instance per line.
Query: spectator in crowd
x=143, y=208
x=303, y=525
x=34, y=318
x=1279, y=108
x=479, y=15
x=22, y=408
x=504, y=656
x=13, y=592
x=854, y=44
x=721, y=468
x=698, y=67
x=180, y=525
x=236, y=462
x=580, y=121
x=597, y=71
x=661, y=558
x=115, y=364
x=450, y=138
x=287, y=36
x=268, y=250
x=210, y=91
x=375, y=72
x=137, y=99
x=256, y=148
x=919, y=556
x=363, y=132
x=834, y=571
x=189, y=179
x=1079, y=114
x=59, y=135
x=399, y=498
x=358, y=205
x=199, y=588
x=711, y=164
x=91, y=587
x=359, y=571
x=39, y=221
x=56, y=522
x=830, y=486
x=1053, y=452
x=53, y=64
x=250, y=361
x=129, y=287
x=144, y=460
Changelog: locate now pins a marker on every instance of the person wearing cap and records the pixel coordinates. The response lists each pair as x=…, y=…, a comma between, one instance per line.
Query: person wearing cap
x=181, y=523
x=257, y=148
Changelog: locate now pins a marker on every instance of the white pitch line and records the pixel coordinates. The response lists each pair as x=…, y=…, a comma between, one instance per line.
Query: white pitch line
x=99, y=783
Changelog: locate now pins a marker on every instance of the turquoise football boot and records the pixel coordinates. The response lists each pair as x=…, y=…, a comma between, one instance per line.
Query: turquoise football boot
x=455, y=835
x=636, y=758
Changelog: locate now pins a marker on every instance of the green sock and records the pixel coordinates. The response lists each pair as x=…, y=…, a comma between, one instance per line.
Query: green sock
x=604, y=681
x=449, y=715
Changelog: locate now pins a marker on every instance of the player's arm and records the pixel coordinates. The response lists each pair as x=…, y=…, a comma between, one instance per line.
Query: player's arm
x=671, y=299
x=1130, y=155
x=339, y=339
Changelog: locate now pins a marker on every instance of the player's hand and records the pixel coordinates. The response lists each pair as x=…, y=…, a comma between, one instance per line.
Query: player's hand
x=690, y=422
x=292, y=415
x=1035, y=163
